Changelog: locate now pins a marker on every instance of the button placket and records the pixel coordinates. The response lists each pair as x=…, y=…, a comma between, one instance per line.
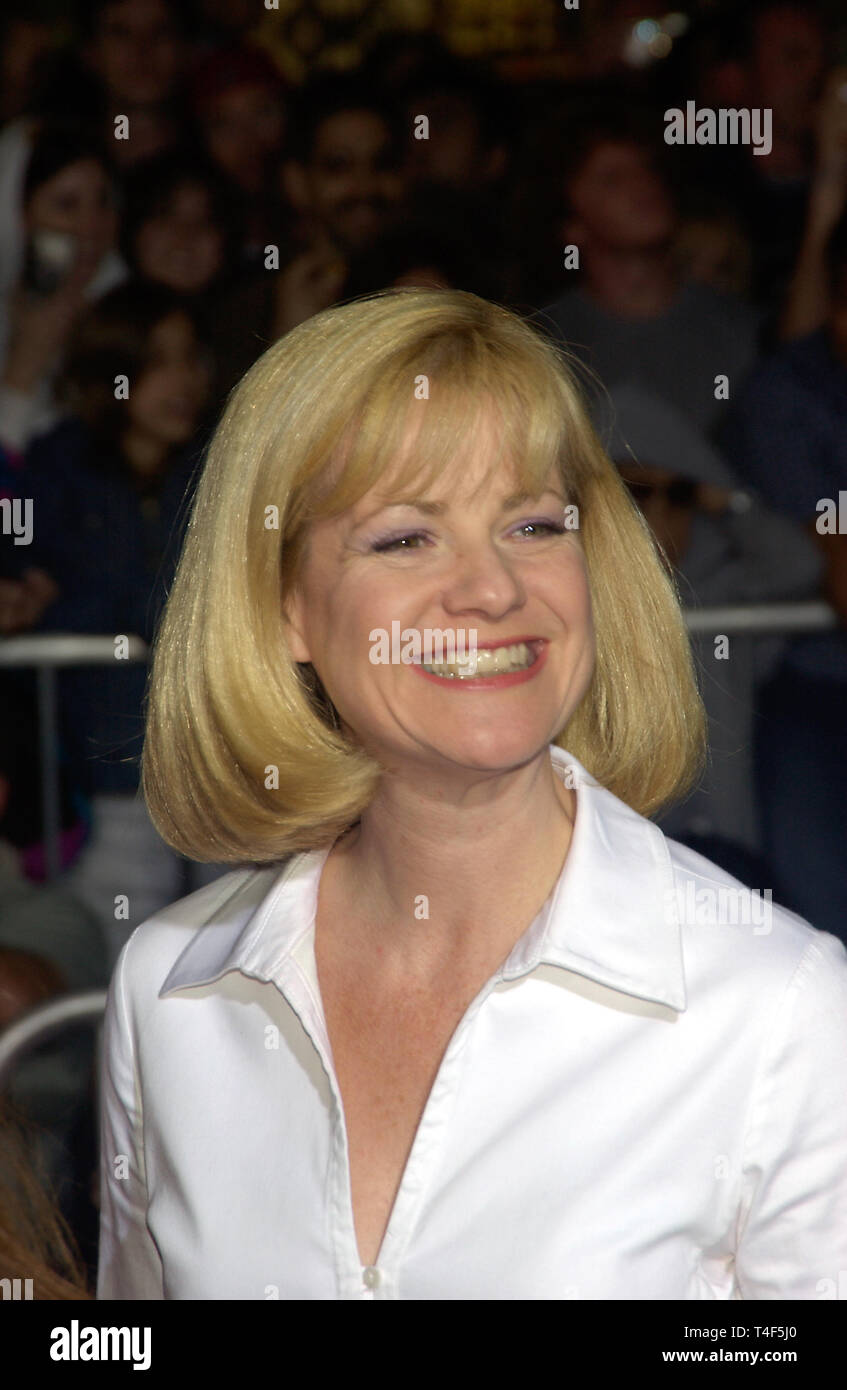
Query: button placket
x=410, y=1195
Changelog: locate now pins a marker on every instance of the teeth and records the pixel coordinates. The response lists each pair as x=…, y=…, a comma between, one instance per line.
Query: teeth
x=497, y=662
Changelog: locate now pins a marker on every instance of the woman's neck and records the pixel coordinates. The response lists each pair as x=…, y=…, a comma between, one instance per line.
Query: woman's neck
x=435, y=878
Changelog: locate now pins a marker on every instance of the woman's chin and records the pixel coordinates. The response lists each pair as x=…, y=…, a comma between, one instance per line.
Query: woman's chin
x=491, y=747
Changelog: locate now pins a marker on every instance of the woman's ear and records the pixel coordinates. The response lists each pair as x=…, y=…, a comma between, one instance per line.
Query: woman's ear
x=292, y=619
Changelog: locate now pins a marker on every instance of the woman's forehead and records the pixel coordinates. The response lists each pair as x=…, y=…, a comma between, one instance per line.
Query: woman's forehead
x=455, y=444
x=469, y=481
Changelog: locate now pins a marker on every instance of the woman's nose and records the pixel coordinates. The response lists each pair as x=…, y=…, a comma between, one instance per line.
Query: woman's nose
x=482, y=578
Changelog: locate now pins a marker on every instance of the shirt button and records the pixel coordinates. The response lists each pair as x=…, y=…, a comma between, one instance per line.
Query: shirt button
x=371, y=1277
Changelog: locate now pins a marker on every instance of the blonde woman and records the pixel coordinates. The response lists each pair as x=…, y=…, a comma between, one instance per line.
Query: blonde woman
x=462, y=1023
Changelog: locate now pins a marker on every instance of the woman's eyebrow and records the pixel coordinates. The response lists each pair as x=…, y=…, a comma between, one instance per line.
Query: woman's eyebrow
x=423, y=504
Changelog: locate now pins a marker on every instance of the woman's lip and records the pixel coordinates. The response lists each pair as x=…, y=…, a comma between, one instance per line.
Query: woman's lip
x=507, y=642
x=492, y=682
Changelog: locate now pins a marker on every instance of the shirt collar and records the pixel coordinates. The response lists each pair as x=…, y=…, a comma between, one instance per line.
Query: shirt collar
x=611, y=915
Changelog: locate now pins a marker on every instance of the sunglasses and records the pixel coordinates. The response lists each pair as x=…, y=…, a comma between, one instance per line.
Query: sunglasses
x=679, y=492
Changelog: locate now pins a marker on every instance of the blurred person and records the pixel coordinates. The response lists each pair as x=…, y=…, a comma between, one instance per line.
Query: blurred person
x=786, y=437
x=420, y=252
x=779, y=61
x=807, y=300
x=109, y=486
x=125, y=60
x=121, y=70
x=461, y=169
x=634, y=316
x=26, y=40
x=36, y=1241
x=137, y=48
x=454, y=960
x=179, y=227
x=68, y=221
x=343, y=171
x=726, y=547
x=239, y=103
x=135, y=52
x=343, y=179
x=783, y=53
x=182, y=227
x=704, y=63
x=467, y=148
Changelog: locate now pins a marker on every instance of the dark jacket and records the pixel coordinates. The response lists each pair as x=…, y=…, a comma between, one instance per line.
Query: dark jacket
x=112, y=549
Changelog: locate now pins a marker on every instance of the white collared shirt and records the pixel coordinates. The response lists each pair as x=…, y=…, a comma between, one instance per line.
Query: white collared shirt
x=648, y=1100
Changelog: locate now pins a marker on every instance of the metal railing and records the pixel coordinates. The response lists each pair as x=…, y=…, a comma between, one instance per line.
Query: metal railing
x=41, y=1023
x=48, y=652
x=757, y=618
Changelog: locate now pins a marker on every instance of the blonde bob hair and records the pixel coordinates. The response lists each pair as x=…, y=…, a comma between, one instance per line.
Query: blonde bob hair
x=244, y=759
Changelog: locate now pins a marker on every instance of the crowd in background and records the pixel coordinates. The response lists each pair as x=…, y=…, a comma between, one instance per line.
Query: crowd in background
x=170, y=205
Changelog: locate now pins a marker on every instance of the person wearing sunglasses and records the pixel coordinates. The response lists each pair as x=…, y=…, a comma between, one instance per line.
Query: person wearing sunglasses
x=724, y=546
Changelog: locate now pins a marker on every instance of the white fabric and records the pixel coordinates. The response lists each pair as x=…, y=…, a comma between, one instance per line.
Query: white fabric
x=635, y=1106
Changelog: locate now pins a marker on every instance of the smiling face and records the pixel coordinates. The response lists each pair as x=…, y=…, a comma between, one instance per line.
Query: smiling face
x=77, y=200
x=181, y=245
x=468, y=557
x=351, y=183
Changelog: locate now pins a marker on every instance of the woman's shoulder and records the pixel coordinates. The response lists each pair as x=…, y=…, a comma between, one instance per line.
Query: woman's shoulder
x=736, y=928
x=218, y=911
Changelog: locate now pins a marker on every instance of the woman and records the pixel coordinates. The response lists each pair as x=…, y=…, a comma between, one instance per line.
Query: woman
x=471, y=1040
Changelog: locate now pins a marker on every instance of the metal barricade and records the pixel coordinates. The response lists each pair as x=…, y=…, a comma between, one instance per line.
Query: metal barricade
x=47, y=652
x=41, y=1023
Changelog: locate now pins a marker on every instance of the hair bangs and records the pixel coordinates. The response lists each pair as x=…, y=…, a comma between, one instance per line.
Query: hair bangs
x=432, y=405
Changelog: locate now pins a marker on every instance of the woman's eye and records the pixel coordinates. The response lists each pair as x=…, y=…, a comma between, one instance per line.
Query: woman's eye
x=546, y=527
x=398, y=543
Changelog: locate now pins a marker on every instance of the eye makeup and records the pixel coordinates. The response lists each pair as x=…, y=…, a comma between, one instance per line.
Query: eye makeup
x=391, y=543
